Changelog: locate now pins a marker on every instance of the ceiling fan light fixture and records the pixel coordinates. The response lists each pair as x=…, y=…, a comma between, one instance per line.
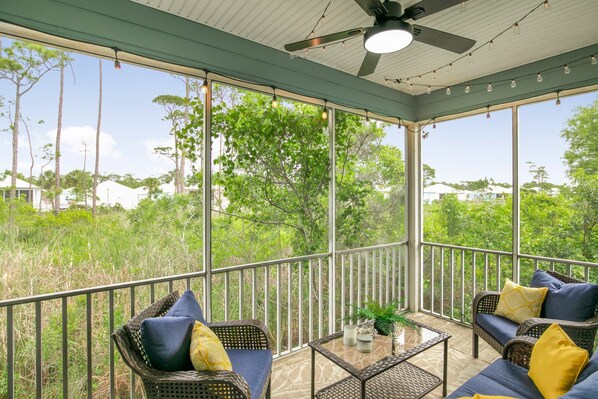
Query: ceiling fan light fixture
x=388, y=36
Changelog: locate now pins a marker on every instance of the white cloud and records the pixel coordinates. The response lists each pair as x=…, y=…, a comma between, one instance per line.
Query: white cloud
x=158, y=164
x=73, y=137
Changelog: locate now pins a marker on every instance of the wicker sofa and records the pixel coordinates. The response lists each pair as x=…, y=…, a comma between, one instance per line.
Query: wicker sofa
x=508, y=376
x=245, y=381
x=496, y=331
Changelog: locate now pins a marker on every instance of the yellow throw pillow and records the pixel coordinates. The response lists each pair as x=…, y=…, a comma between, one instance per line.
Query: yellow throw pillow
x=207, y=352
x=519, y=303
x=556, y=362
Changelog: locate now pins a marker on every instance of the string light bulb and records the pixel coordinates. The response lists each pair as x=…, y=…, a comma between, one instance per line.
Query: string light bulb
x=513, y=84
x=425, y=134
x=558, y=97
x=274, y=102
x=491, y=45
x=566, y=69
x=593, y=60
x=516, y=29
x=467, y=89
x=489, y=87
x=546, y=6
x=325, y=111
x=470, y=58
x=116, y=61
x=434, y=123
x=323, y=49
x=448, y=91
x=429, y=90
x=449, y=67
x=539, y=78
x=487, y=112
x=367, y=116
x=343, y=44
x=434, y=75
x=204, y=86
x=324, y=18
x=411, y=86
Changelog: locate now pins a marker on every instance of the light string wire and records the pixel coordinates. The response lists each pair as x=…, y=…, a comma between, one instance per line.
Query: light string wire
x=321, y=19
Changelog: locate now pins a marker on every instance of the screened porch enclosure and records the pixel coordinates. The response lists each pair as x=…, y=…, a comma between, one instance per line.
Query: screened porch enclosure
x=348, y=189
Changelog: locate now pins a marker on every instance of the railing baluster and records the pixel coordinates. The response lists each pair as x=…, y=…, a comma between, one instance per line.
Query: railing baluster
x=65, y=348
x=394, y=278
x=320, y=301
x=462, y=284
x=350, y=284
x=111, y=344
x=188, y=283
x=387, y=279
x=405, y=286
x=342, y=291
x=442, y=281
x=10, y=353
x=432, y=282
x=89, y=348
x=498, y=272
x=152, y=292
x=586, y=273
x=170, y=286
x=278, y=333
x=551, y=266
x=311, y=301
x=38, y=349
x=253, y=293
x=368, y=296
x=226, y=297
x=452, y=284
x=267, y=296
x=535, y=264
x=289, y=307
x=359, y=279
x=474, y=271
x=486, y=271
x=241, y=283
x=380, y=285
x=300, y=303
x=132, y=386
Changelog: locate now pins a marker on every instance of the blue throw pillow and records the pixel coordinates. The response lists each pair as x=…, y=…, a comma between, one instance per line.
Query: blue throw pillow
x=574, y=301
x=166, y=341
x=585, y=389
x=591, y=368
x=187, y=306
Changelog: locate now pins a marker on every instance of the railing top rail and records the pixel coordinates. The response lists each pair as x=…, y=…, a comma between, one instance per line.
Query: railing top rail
x=557, y=260
x=380, y=246
x=268, y=263
x=487, y=251
x=103, y=288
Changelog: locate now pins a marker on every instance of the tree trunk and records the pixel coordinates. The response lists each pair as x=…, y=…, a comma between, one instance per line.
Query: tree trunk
x=58, y=139
x=15, y=143
x=97, y=166
x=30, y=199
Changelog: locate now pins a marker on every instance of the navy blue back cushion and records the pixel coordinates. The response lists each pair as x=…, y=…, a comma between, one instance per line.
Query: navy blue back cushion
x=167, y=341
x=585, y=389
x=187, y=306
x=574, y=301
x=591, y=368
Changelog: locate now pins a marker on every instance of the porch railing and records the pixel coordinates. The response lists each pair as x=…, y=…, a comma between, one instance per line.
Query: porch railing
x=58, y=345
x=452, y=275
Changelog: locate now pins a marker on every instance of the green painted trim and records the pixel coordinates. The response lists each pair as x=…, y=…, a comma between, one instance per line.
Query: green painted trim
x=148, y=32
x=583, y=73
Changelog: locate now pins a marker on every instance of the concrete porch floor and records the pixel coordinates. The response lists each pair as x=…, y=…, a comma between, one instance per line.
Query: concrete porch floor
x=291, y=374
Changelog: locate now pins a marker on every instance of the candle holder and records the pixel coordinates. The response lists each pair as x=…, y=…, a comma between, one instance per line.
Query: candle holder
x=350, y=335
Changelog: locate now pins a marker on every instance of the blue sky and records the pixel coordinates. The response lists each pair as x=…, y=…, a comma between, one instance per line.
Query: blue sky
x=465, y=149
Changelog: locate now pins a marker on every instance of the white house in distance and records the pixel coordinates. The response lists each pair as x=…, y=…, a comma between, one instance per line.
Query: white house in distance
x=24, y=190
x=111, y=193
x=435, y=192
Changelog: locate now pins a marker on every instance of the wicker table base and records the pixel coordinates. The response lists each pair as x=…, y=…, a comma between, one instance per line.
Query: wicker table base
x=403, y=381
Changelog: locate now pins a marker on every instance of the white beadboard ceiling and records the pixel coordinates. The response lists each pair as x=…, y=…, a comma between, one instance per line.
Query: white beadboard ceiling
x=569, y=25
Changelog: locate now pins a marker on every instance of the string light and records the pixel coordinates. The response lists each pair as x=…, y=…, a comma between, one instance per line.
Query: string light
x=324, y=18
x=516, y=29
x=434, y=123
x=344, y=44
x=487, y=112
x=489, y=87
x=325, y=111
x=411, y=86
x=491, y=45
x=467, y=89
x=204, y=85
x=593, y=60
x=566, y=69
x=425, y=134
x=470, y=58
x=116, y=61
x=434, y=75
x=558, y=97
x=324, y=49
x=274, y=102
x=539, y=78
x=367, y=116
x=450, y=66
x=429, y=90
x=513, y=84
x=448, y=91
x=546, y=6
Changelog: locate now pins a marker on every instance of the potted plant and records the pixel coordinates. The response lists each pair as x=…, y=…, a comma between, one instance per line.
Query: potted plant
x=384, y=317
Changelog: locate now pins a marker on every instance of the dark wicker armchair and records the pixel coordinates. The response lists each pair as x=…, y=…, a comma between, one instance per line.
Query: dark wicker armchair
x=241, y=334
x=582, y=333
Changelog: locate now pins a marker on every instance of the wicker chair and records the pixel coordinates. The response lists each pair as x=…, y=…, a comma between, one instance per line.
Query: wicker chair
x=582, y=333
x=241, y=334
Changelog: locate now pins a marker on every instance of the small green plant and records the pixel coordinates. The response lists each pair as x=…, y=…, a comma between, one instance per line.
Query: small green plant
x=384, y=316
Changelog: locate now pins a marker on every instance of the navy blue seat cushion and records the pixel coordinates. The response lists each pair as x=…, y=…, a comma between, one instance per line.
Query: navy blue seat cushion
x=585, y=389
x=166, y=341
x=254, y=365
x=187, y=306
x=500, y=378
x=591, y=368
x=573, y=301
x=499, y=327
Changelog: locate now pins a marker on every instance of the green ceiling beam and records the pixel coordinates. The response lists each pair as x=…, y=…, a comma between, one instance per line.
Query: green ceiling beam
x=148, y=32
x=583, y=73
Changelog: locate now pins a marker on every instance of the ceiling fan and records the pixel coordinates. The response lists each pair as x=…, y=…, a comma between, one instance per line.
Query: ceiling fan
x=391, y=32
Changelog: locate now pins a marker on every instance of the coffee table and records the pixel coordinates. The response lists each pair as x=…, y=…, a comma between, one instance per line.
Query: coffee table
x=385, y=371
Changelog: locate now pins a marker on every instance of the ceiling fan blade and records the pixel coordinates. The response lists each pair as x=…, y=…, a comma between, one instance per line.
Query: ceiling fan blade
x=428, y=7
x=368, y=66
x=372, y=7
x=318, y=41
x=444, y=40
